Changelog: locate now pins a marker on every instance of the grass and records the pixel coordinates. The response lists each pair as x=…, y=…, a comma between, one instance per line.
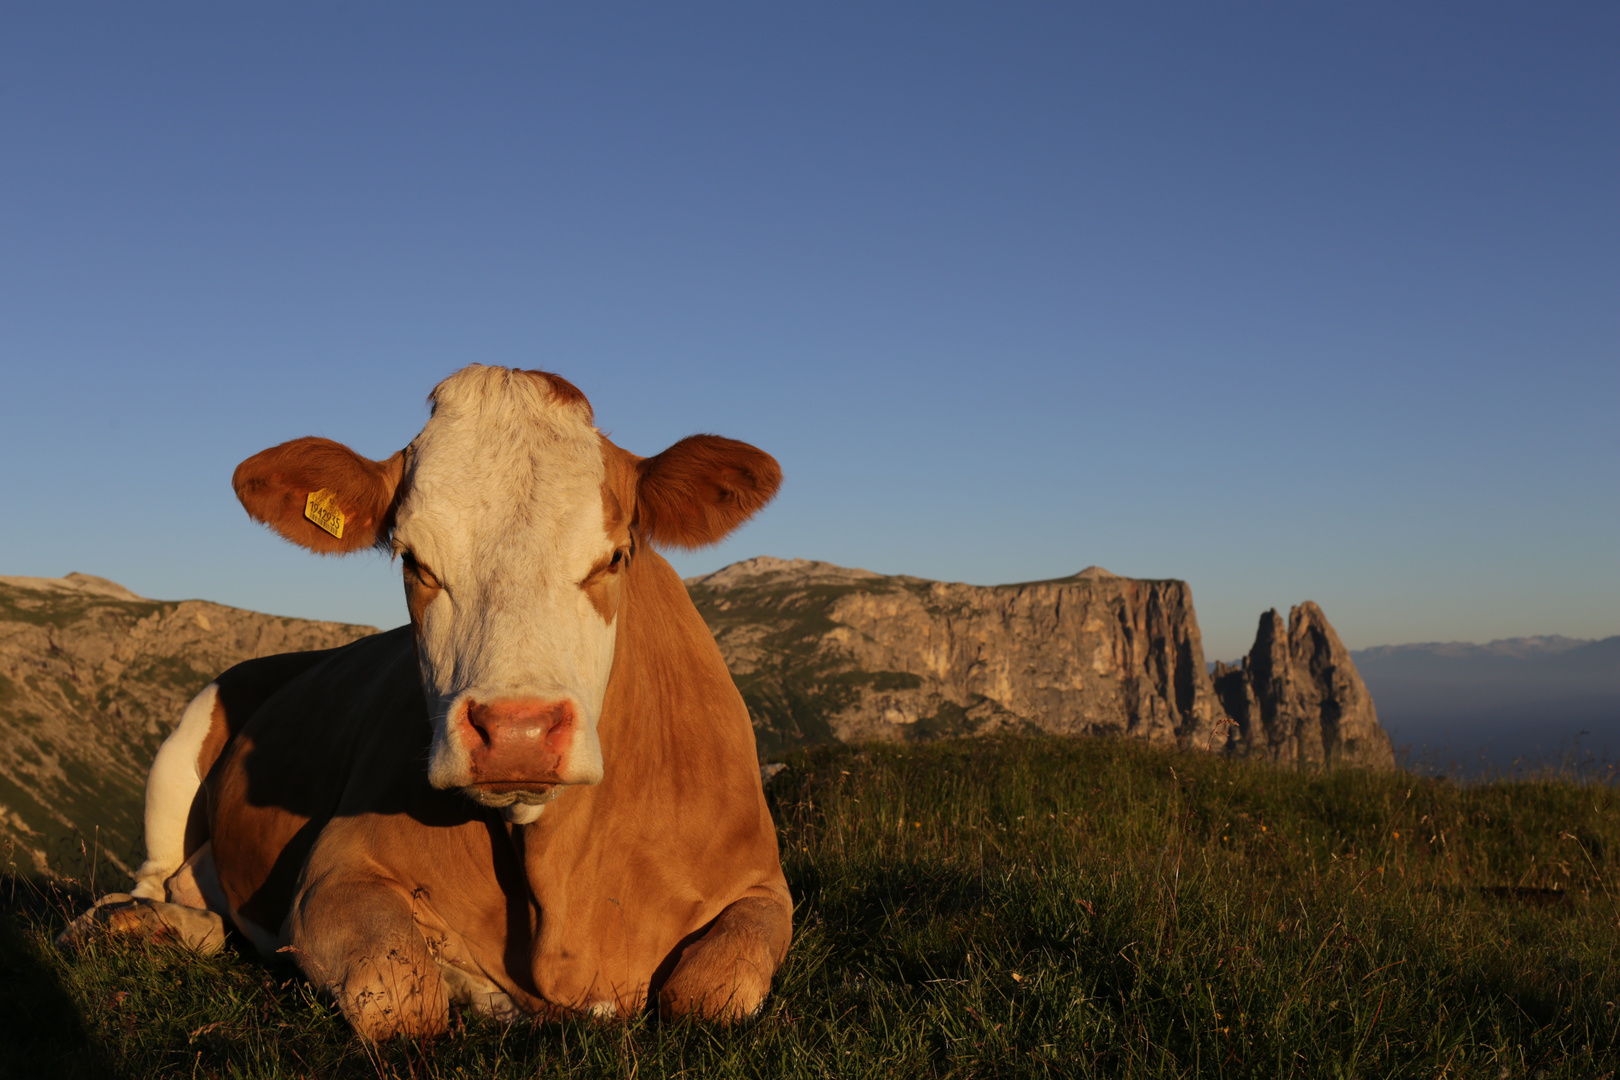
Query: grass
x=1007, y=908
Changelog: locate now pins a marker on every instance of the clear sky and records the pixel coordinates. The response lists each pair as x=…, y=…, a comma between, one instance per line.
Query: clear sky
x=1290, y=300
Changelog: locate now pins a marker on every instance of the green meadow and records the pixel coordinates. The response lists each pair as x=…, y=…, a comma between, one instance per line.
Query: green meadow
x=1006, y=908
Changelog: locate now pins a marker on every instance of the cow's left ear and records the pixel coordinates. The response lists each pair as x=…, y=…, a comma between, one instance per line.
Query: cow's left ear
x=700, y=489
x=320, y=494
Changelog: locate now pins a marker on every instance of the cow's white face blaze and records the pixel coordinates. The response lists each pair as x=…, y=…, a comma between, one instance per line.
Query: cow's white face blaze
x=507, y=540
x=514, y=520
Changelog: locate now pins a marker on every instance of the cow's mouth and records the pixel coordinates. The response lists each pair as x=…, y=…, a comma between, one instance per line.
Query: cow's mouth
x=499, y=794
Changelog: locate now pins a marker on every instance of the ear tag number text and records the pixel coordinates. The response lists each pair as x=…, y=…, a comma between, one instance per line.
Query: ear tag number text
x=322, y=508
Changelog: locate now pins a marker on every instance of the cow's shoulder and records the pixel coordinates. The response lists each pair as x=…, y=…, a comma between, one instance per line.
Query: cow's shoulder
x=243, y=691
x=326, y=727
x=317, y=716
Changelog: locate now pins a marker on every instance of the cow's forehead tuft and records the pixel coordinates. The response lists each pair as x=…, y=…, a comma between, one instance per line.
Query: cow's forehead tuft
x=477, y=388
x=504, y=444
x=502, y=407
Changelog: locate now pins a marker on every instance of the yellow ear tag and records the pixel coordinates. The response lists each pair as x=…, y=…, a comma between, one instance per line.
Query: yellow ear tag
x=322, y=508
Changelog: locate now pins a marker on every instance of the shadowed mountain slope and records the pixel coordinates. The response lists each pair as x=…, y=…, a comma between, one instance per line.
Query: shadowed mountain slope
x=92, y=678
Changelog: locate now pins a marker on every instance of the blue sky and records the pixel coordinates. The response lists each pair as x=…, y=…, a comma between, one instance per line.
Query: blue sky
x=1304, y=300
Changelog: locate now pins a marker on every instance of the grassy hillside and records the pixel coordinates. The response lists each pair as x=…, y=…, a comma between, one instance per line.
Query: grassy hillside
x=1006, y=908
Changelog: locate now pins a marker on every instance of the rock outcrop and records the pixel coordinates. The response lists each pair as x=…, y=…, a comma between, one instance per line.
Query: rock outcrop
x=92, y=678
x=1298, y=700
x=822, y=652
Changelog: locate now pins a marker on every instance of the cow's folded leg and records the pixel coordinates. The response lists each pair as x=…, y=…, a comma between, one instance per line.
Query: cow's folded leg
x=126, y=916
x=725, y=974
x=359, y=942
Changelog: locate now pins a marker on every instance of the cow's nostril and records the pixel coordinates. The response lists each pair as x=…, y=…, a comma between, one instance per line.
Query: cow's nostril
x=481, y=721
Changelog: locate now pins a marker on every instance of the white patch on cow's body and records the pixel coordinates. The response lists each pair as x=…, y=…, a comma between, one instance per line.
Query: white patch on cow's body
x=504, y=507
x=171, y=787
x=602, y=1010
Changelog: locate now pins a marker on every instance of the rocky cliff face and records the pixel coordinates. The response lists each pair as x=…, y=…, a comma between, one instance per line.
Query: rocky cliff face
x=92, y=678
x=822, y=652
x=1298, y=700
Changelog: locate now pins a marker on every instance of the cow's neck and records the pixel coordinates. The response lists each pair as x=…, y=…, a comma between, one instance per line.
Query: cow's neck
x=679, y=757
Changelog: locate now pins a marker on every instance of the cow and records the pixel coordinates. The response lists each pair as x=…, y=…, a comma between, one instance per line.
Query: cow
x=541, y=796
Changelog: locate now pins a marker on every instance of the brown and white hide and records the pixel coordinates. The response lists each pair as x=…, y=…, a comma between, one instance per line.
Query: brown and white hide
x=540, y=796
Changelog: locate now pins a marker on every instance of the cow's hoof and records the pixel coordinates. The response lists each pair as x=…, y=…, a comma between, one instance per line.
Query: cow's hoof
x=123, y=915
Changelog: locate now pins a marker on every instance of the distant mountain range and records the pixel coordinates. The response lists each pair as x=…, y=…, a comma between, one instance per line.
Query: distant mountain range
x=1482, y=708
x=92, y=677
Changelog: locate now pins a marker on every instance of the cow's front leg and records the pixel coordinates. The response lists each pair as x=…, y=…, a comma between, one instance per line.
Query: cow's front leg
x=358, y=940
x=725, y=974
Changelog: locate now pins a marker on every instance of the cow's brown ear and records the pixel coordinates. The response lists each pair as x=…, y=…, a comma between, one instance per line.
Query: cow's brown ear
x=320, y=494
x=702, y=488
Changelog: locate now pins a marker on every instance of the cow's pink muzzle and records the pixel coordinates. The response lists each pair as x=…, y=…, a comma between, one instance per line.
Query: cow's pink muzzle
x=520, y=744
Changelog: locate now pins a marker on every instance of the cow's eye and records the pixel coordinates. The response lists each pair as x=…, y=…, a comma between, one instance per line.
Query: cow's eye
x=617, y=560
x=414, y=569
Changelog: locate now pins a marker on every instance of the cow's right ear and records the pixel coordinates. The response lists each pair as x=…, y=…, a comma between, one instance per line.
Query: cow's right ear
x=700, y=489
x=320, y=494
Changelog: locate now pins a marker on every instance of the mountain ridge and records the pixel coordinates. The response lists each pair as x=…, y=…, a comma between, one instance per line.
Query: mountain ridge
x=92, y=678
x=822, y=652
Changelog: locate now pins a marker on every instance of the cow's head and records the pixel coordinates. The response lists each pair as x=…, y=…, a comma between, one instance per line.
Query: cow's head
x=516, y=523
